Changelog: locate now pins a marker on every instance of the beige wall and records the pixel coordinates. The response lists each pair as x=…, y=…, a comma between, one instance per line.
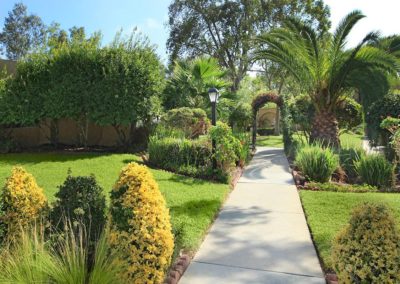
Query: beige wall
x=68, y=134
x=266, y=118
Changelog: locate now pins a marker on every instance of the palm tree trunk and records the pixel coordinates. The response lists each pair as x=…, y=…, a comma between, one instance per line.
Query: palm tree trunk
x=325, y=129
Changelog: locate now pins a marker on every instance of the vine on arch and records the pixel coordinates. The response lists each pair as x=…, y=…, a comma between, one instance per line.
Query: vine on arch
x=258, y=102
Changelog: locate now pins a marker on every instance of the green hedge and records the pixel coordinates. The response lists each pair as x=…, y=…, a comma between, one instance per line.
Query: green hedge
x=189, y=157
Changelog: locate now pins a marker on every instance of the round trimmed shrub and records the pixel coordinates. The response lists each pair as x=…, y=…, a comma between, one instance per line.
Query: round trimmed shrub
x=81, y=204
x=22, y=202
x=368, y=249
x=375, y=170
x=140, y=226
x=317, y=163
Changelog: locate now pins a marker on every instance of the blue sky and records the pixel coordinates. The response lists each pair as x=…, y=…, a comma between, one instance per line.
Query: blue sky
x=150, y=16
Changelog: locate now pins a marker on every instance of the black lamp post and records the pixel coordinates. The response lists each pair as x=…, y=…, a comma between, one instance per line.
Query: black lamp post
x=214, y=95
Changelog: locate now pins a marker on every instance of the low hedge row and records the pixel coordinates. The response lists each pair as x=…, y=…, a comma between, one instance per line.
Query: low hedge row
x=190, y=157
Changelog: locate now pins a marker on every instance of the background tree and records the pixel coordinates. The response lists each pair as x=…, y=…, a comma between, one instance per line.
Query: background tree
x=188, y=86
x=224, y=29
x=22, y=32
x=323, y=67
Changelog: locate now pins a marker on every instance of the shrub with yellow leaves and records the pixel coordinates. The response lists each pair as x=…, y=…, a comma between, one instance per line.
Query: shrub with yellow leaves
x=140, y=226
x=21, y=202
x=368, y=249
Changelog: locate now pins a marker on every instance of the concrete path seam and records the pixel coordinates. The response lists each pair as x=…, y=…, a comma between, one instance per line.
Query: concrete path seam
x=256, y=269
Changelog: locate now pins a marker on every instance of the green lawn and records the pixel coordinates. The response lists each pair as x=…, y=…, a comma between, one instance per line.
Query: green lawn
x=328, y=212
x=347, y=139
x=270, y=141
x=193, y=203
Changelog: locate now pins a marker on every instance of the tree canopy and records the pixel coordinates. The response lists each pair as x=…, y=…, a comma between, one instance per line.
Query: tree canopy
x=225, y=29
x=22, y=32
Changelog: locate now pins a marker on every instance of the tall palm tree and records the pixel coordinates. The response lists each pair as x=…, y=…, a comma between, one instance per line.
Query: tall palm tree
x=325, y=70
x=191, y=80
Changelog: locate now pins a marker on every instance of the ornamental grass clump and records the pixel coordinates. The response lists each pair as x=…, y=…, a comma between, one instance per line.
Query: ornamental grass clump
x=348, y=157
x=368, y=249
x=140, y=226
x=317, y=163
x=22, y=202
x=375, y=170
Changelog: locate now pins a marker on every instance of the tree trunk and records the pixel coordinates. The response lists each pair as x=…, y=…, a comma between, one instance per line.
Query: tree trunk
x=325, y=129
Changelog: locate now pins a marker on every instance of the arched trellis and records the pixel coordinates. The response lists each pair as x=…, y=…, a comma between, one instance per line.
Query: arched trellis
x=258, y=102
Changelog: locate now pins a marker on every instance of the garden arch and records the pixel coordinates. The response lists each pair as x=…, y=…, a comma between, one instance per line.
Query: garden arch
x=258, y=102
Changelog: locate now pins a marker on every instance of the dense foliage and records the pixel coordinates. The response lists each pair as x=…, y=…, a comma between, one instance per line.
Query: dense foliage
x=226, y=29
x=22, y=202
x=393, y=126
x=368, y=249
x=115, y=85
x=184, y=156
x=317, y=163
x=80, y=205
x=140, y=226
x=348, y=157
x=228, y=146
x=339, y=187
x=389, y=105
x=375, y=170
x=192, y=121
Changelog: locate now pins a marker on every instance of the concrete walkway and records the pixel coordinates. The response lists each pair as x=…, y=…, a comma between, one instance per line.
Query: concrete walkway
x=261, y=235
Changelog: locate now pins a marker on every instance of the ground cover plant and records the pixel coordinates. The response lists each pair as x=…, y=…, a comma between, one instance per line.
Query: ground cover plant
x=193, y=203
x=328, y=212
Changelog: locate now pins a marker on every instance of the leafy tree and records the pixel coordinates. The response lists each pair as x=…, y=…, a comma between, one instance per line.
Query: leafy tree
x=224, y=29
x=324, y=69
x=22, y=32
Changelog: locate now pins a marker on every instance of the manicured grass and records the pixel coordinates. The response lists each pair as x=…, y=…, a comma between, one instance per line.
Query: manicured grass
x=347, y=139
x=193, y=203
x=270, y=141
x=350, y=139
x=328, y=212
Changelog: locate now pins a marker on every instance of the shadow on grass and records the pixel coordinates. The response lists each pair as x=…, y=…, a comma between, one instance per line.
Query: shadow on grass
x=197, y=208
x=35, y=158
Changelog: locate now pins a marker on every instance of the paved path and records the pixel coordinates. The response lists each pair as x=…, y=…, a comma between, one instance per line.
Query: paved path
x=260, y=235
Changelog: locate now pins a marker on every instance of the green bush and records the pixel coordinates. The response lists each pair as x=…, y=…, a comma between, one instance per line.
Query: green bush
x=348, y=156
x=389, y=105
x=191, y=157
x=244, y=151
x=80, y=204
x=368, y=249
x=317, y=163
x=191, y=121
x=375, y=170
x=227, y=146
x=338, y=187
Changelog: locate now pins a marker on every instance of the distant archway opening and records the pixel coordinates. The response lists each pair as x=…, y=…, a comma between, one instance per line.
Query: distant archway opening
x=258, y=102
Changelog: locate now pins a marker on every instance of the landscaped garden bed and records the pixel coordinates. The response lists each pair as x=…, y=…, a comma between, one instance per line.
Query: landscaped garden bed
x=193, y=203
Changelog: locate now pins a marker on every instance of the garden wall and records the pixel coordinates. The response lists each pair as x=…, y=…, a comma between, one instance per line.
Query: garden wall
x=35, y=136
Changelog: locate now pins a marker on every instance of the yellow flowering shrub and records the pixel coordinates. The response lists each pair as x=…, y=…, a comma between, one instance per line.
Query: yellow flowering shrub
x=140, y=226
x=368, y=249
x=22, y=201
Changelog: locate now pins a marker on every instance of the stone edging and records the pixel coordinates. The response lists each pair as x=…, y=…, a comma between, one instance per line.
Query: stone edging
x=177, y=269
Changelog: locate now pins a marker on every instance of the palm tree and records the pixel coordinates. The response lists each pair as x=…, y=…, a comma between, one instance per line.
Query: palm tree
x=191, y=79
x=325, y=70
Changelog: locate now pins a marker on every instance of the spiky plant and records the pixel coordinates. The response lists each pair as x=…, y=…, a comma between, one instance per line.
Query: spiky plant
x=325, y=69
